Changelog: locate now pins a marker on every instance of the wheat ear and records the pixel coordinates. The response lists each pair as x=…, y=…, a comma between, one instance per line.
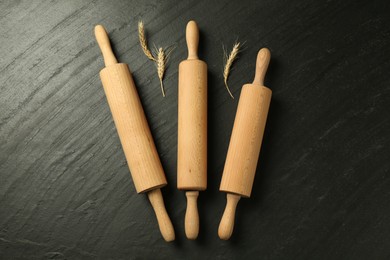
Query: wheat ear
x=161, y=59
x=229, y=61
x=143, y=42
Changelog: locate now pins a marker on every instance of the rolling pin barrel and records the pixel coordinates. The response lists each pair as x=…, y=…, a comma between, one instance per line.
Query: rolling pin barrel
x=246, y=139
x=245, y=143
x=192, y=126
x=133, y=130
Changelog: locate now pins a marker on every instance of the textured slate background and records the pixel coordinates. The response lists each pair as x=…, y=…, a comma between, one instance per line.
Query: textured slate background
x=322, y=189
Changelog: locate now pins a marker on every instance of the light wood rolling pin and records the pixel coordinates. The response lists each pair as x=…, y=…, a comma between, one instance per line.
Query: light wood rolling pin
x=134, y=133
x=192, y=129
x=245, y=143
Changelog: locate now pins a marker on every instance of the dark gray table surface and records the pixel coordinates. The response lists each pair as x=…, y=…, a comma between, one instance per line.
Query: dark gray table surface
x=322, y=189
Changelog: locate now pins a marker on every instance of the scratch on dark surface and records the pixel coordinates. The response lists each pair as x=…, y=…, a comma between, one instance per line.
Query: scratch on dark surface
x=330, y=129
x=51, y=254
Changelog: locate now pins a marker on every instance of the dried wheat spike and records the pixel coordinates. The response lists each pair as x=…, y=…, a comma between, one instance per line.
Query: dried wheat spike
x=143, y=42
x=161, y=59
x=228, y=64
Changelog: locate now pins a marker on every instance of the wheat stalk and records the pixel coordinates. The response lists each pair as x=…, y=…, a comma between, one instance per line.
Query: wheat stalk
x=228, y=64
x=160, y=55
x=161, y=59
x=143, y=42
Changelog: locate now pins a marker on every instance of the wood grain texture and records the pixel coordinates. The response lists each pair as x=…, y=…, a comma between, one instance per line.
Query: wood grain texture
x=164, y=222
x=191, y=218
x=192, y=116
x=134, y=132
x=245, y=143
x=192, y=129
x=133, y=129
x=248, y=131
x=323, y=185
x=226, y=226
x=192, y=126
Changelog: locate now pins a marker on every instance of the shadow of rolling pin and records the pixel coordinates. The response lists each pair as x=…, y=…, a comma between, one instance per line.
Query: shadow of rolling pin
x=192, y=129
x=134, y=133
x=245, y=142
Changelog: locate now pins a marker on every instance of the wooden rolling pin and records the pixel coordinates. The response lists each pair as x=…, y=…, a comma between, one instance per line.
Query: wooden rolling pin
x=134, y=133
x=245, y=143
x=192, y=129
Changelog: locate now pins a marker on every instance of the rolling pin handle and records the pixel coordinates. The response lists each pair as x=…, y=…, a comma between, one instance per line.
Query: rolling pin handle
x=105, y=46
x=226, y=226
x=191, y=222
x=164, y=222
x=262, y=61
x=192, y=38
